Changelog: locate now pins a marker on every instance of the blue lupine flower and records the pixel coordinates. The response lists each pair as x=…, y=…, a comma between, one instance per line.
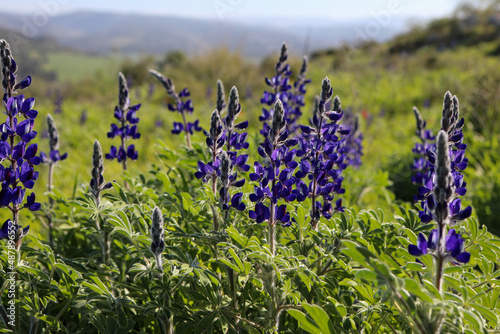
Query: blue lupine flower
x=224, y=142
x=454, y=245
x=54, y=154
x=292, y=99
x=126, y=128
x=4, y=231
x=425, y=164
x=180, y=105
x=15, y=135
x=323, y=153
x=58, y=101
x=354, y=139
x=275, y=183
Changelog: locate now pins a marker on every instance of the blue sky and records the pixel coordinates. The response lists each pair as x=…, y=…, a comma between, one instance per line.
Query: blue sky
x=341, y=10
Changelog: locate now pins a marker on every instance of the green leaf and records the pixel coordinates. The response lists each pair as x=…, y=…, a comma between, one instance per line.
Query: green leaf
x=414, y=266
x=237, y=259
x=206, y=323
x=320, y=317
x=432, y=288
x=305, y=322
x=473, y=320
x=366, y=274
x=52, y=321
x=487, y=314
x=98, y=287
x=122, y=317
x=239, y=238
x=414, y=288
x=230, y=265
x=366, y=253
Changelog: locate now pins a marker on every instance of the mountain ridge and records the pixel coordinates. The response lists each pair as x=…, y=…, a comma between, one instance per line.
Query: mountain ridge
x=101, y=33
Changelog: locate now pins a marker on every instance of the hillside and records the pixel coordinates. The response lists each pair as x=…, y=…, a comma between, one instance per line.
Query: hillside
x=105, y=33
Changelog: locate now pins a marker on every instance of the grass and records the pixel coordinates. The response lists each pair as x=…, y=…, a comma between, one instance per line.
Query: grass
x=73, y=66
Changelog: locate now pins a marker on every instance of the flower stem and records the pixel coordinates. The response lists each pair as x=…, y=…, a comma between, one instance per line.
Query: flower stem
x=51, y=204
x=441, y=254
x=188, y=137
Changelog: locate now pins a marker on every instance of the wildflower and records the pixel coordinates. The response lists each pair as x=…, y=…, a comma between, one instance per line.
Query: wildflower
x=126, y=116
x=451, y=126
x=454, y=246
x=54, y=155
x=275, y=182
x=224, y=141
x=15, y=136
x=323, y=156
x=292, y=99
x=181, y=105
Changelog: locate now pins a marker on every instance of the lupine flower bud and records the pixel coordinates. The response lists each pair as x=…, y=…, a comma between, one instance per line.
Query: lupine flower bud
x=233, y=108
x=336, y=104
x=225, y=168
x=221, y=97
x=215, y=125
x=123, y=92
x=447, y=120
x=97, y=161
x=166, y=82
x=283, y=54
x=316, y=109
x=157, y=232
x=326, y=90
x=6, y=59
x=420, y=121
x=53, y=133
x=278, y=125
x=97, y=183
x=303, y=68
x=444, y=188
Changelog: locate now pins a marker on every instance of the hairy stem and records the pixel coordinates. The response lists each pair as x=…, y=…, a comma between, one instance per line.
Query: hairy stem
x=51, y=204
x=441, y=254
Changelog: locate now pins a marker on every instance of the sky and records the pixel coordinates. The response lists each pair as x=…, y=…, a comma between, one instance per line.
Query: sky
x=246, y=10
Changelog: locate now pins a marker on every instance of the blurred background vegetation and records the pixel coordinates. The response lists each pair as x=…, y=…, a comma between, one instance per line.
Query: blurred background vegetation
x=379, y=82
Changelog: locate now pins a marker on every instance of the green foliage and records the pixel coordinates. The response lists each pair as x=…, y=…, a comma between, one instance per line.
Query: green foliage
x=352, y=275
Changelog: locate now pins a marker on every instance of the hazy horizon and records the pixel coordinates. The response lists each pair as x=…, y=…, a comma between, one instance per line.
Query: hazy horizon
x=311, y=13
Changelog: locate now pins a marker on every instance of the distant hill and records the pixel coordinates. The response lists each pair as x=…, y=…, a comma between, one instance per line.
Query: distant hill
x=132, y=33
x=469, y=26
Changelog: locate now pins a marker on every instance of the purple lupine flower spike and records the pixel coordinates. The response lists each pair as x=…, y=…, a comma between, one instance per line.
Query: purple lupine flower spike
x=54, y=155
x=323, y=152
x=225, y=141
x=275, y=180
x=446, y=158
x=292, y=99
x=451, y=124
x=20, y=157
x=126, y=128
x=354, y=140
x=58, y=101
x=181, y=105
